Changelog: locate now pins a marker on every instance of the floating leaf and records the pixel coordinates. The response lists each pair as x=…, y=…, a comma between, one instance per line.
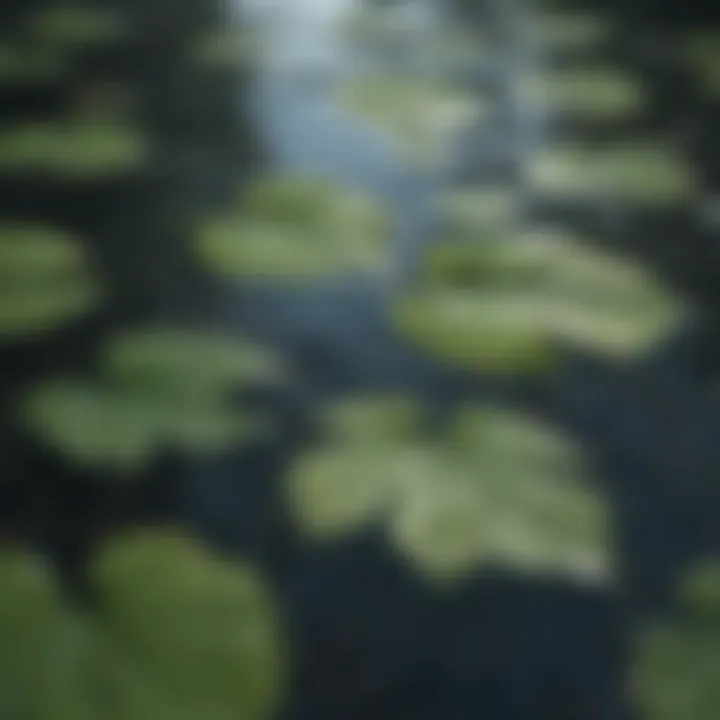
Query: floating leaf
x=45, y=280
x=505, y=305
x=677, y=672
x=474, y=330
x=105, y=428
x=595, y=92
x=419, y=114
x=184, y=363
x=297, y=227
x=78, y=151
x=702, y=52
x=76, y=26
x=498, y=489
x=229, y=48
x=177, y=633
x=376, y=419
x=700, y=593
x=90, y=426
x=570, y=31
x=335, y=492
x=472, y=210
x=21, y=64
x=633, y=174
x=204, y=626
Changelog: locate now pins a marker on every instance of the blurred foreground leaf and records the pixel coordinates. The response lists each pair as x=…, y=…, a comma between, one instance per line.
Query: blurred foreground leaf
x=177, y=633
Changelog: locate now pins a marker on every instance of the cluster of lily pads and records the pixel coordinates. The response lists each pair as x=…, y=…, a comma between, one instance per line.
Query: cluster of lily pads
x=496, y=487
x=175, y=631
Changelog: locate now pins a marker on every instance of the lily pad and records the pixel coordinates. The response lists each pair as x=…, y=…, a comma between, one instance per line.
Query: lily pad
x=570, y=31
x=74, y=26
x=81, y=151
x=677, y=671
x=633, y=174
x=161, y=389
x=506, y=305
x=499, y=488
x=700, y=593
x=187, y=364
x=229, y=48
x=45, y=280
x=419, y=114
x=471, y=210
x=594, y=93
x=177, y=633
x=297, y=228
x=702, y=53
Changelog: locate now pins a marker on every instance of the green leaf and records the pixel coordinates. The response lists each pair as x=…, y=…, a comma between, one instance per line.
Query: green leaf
x=203, y=626
x=187, y=364
x=471, y=210
x=28, y=65
x=500, y=488
x=83, y=151
x=505, y=304
x=335, y=491
x=228, y=48
x=561, y=31
x=377, y=419
x=475, y=330
x=593, y=92
x=677, y=672
x=700, y=593
x=178, y=633
x=45, y=280
x=102, y=427
x=76, y=25
x=418, y=114
x=297, y=227
x=701, y=53
x=92, y=426
x=629, y=174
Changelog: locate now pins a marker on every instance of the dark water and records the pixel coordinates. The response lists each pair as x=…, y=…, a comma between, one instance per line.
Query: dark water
x=370, y=640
